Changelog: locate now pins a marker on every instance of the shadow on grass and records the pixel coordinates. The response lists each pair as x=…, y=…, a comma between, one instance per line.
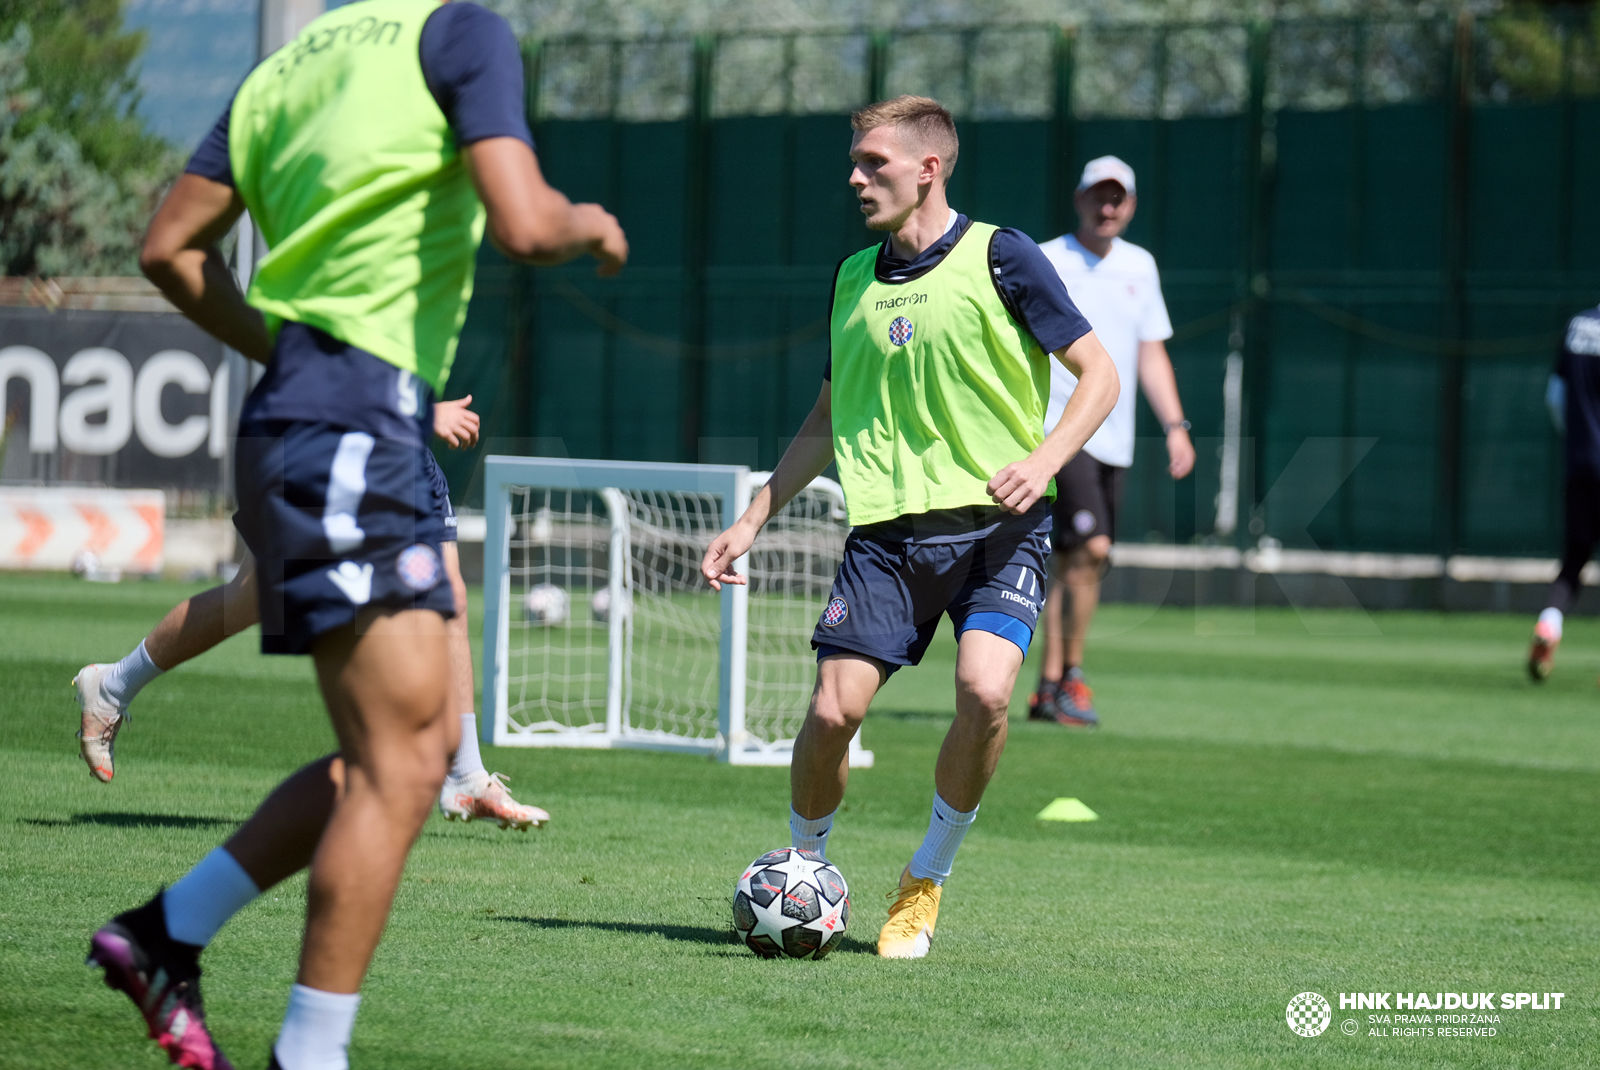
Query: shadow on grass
x=688, y=933
x=125, y=820
x=693, y=934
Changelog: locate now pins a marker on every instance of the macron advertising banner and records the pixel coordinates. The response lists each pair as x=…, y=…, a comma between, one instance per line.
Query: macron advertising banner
x=113, y=399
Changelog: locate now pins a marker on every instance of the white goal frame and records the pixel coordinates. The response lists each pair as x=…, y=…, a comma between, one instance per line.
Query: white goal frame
x=733, y=484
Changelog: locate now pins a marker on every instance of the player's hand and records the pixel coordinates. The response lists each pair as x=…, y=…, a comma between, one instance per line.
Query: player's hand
x=455, y=423
x=1019, y=485
x=1180, y=453
x=725, y=549
x=607, y=243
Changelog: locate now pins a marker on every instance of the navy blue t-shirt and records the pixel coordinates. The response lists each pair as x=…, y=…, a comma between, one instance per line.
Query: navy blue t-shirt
x=1579, y=367
x=1028, y=284
x=473, y=68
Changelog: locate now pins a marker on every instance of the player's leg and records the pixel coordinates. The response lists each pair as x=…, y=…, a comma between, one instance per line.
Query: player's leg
x=995, y=612
x=820, y=766
x=1582, y=532
x=189, y=629
x=1085, y=566
x=986, y=675
x=385, y=685
x=470, y=791
x=1084, y=515
x=868, y=629
x=153, y=951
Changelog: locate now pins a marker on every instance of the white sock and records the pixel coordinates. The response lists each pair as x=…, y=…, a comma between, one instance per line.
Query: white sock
x=810, y=833
x=946, y=829
x=1551, y=618
x=467, y=759
x=316, y=1030
x=124, y=679
x=205, y=898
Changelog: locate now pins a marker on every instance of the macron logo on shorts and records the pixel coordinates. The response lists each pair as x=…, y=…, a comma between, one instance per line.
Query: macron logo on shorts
x=354, y=580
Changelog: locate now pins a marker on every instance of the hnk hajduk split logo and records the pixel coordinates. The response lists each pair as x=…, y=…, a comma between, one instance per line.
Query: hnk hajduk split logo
x=1309, y=1014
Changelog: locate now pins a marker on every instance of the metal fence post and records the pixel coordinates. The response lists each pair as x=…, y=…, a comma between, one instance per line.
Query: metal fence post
x=522, y=372
x=1254, y=288
x=877, y=67
x=1457, y=327
x=696, y=250
x=1063, y=131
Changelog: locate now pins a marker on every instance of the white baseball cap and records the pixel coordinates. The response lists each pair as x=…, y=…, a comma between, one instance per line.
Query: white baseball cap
x=1107, y=169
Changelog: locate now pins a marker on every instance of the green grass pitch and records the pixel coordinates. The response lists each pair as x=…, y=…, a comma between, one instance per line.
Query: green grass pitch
x=1331, y=803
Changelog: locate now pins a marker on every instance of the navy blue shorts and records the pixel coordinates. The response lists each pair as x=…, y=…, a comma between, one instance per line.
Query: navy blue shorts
x=888, y=597
x=441, y=495
x=338, y=520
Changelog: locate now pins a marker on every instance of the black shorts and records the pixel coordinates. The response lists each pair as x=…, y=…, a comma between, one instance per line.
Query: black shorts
x=441, y=495
x=1088, y=495
x=888, y=597
x=338, y=520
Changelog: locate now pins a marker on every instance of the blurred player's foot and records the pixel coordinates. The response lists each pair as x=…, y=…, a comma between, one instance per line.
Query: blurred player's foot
x=162, y=977
x=1041, y=704
x=908, y=934
x=1074, y=703
x=484, y=795
x=101, y=721
x=1542, y=654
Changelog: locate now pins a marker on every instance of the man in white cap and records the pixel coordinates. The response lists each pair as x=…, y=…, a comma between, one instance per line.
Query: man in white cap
x=1116, y=285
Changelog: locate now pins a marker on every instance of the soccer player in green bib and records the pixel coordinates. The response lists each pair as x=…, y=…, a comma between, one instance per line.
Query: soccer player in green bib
x=933, y=409
x=373, y=151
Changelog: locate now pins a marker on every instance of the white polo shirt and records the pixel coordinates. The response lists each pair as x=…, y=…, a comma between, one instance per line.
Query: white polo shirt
x=1120, y=296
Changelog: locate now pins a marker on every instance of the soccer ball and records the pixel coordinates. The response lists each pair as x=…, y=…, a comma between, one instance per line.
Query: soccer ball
x=546, y=604
x=791, y=903
x=600, y=605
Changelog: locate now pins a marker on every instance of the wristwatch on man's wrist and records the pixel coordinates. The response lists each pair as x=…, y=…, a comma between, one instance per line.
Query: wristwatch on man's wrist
x=1184, y=424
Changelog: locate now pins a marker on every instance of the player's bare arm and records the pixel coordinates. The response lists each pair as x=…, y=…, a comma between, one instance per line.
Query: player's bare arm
x=1018, y=486
x=180, y=255
x=808, y=455
x=456, y=424
x=1161, y=390
x=532, y=221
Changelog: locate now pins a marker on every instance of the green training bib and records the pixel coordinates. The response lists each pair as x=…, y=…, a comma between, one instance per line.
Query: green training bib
x=352, y=173
x=935, y=386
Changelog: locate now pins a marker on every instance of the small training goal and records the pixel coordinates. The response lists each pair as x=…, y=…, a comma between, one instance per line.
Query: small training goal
x=599, y=631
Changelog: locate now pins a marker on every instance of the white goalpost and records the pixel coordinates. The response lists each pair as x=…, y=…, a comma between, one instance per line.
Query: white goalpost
x=599, y=631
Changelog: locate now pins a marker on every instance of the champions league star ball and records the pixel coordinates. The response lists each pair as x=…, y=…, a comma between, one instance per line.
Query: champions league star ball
x=546, y=604
x=791, y=903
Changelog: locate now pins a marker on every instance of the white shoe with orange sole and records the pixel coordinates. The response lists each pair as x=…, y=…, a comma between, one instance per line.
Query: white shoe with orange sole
x=483, y=796
x=102, y=719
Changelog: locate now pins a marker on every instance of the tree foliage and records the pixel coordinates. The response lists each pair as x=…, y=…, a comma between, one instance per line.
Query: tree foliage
x=79, y=171
x=84, y=66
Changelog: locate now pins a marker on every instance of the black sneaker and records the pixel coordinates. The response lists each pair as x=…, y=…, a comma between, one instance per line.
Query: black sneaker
x=1074, y=703
x=162, y=977
x=1042, y=703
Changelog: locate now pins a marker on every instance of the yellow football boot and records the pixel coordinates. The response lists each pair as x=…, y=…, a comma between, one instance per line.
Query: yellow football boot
x=908, y=934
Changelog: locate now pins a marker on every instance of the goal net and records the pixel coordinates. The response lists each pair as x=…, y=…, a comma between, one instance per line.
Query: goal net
x=599, y=630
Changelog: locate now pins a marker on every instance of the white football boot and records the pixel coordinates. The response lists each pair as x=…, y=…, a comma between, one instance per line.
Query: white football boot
x=102, y=719
x=484, y=795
